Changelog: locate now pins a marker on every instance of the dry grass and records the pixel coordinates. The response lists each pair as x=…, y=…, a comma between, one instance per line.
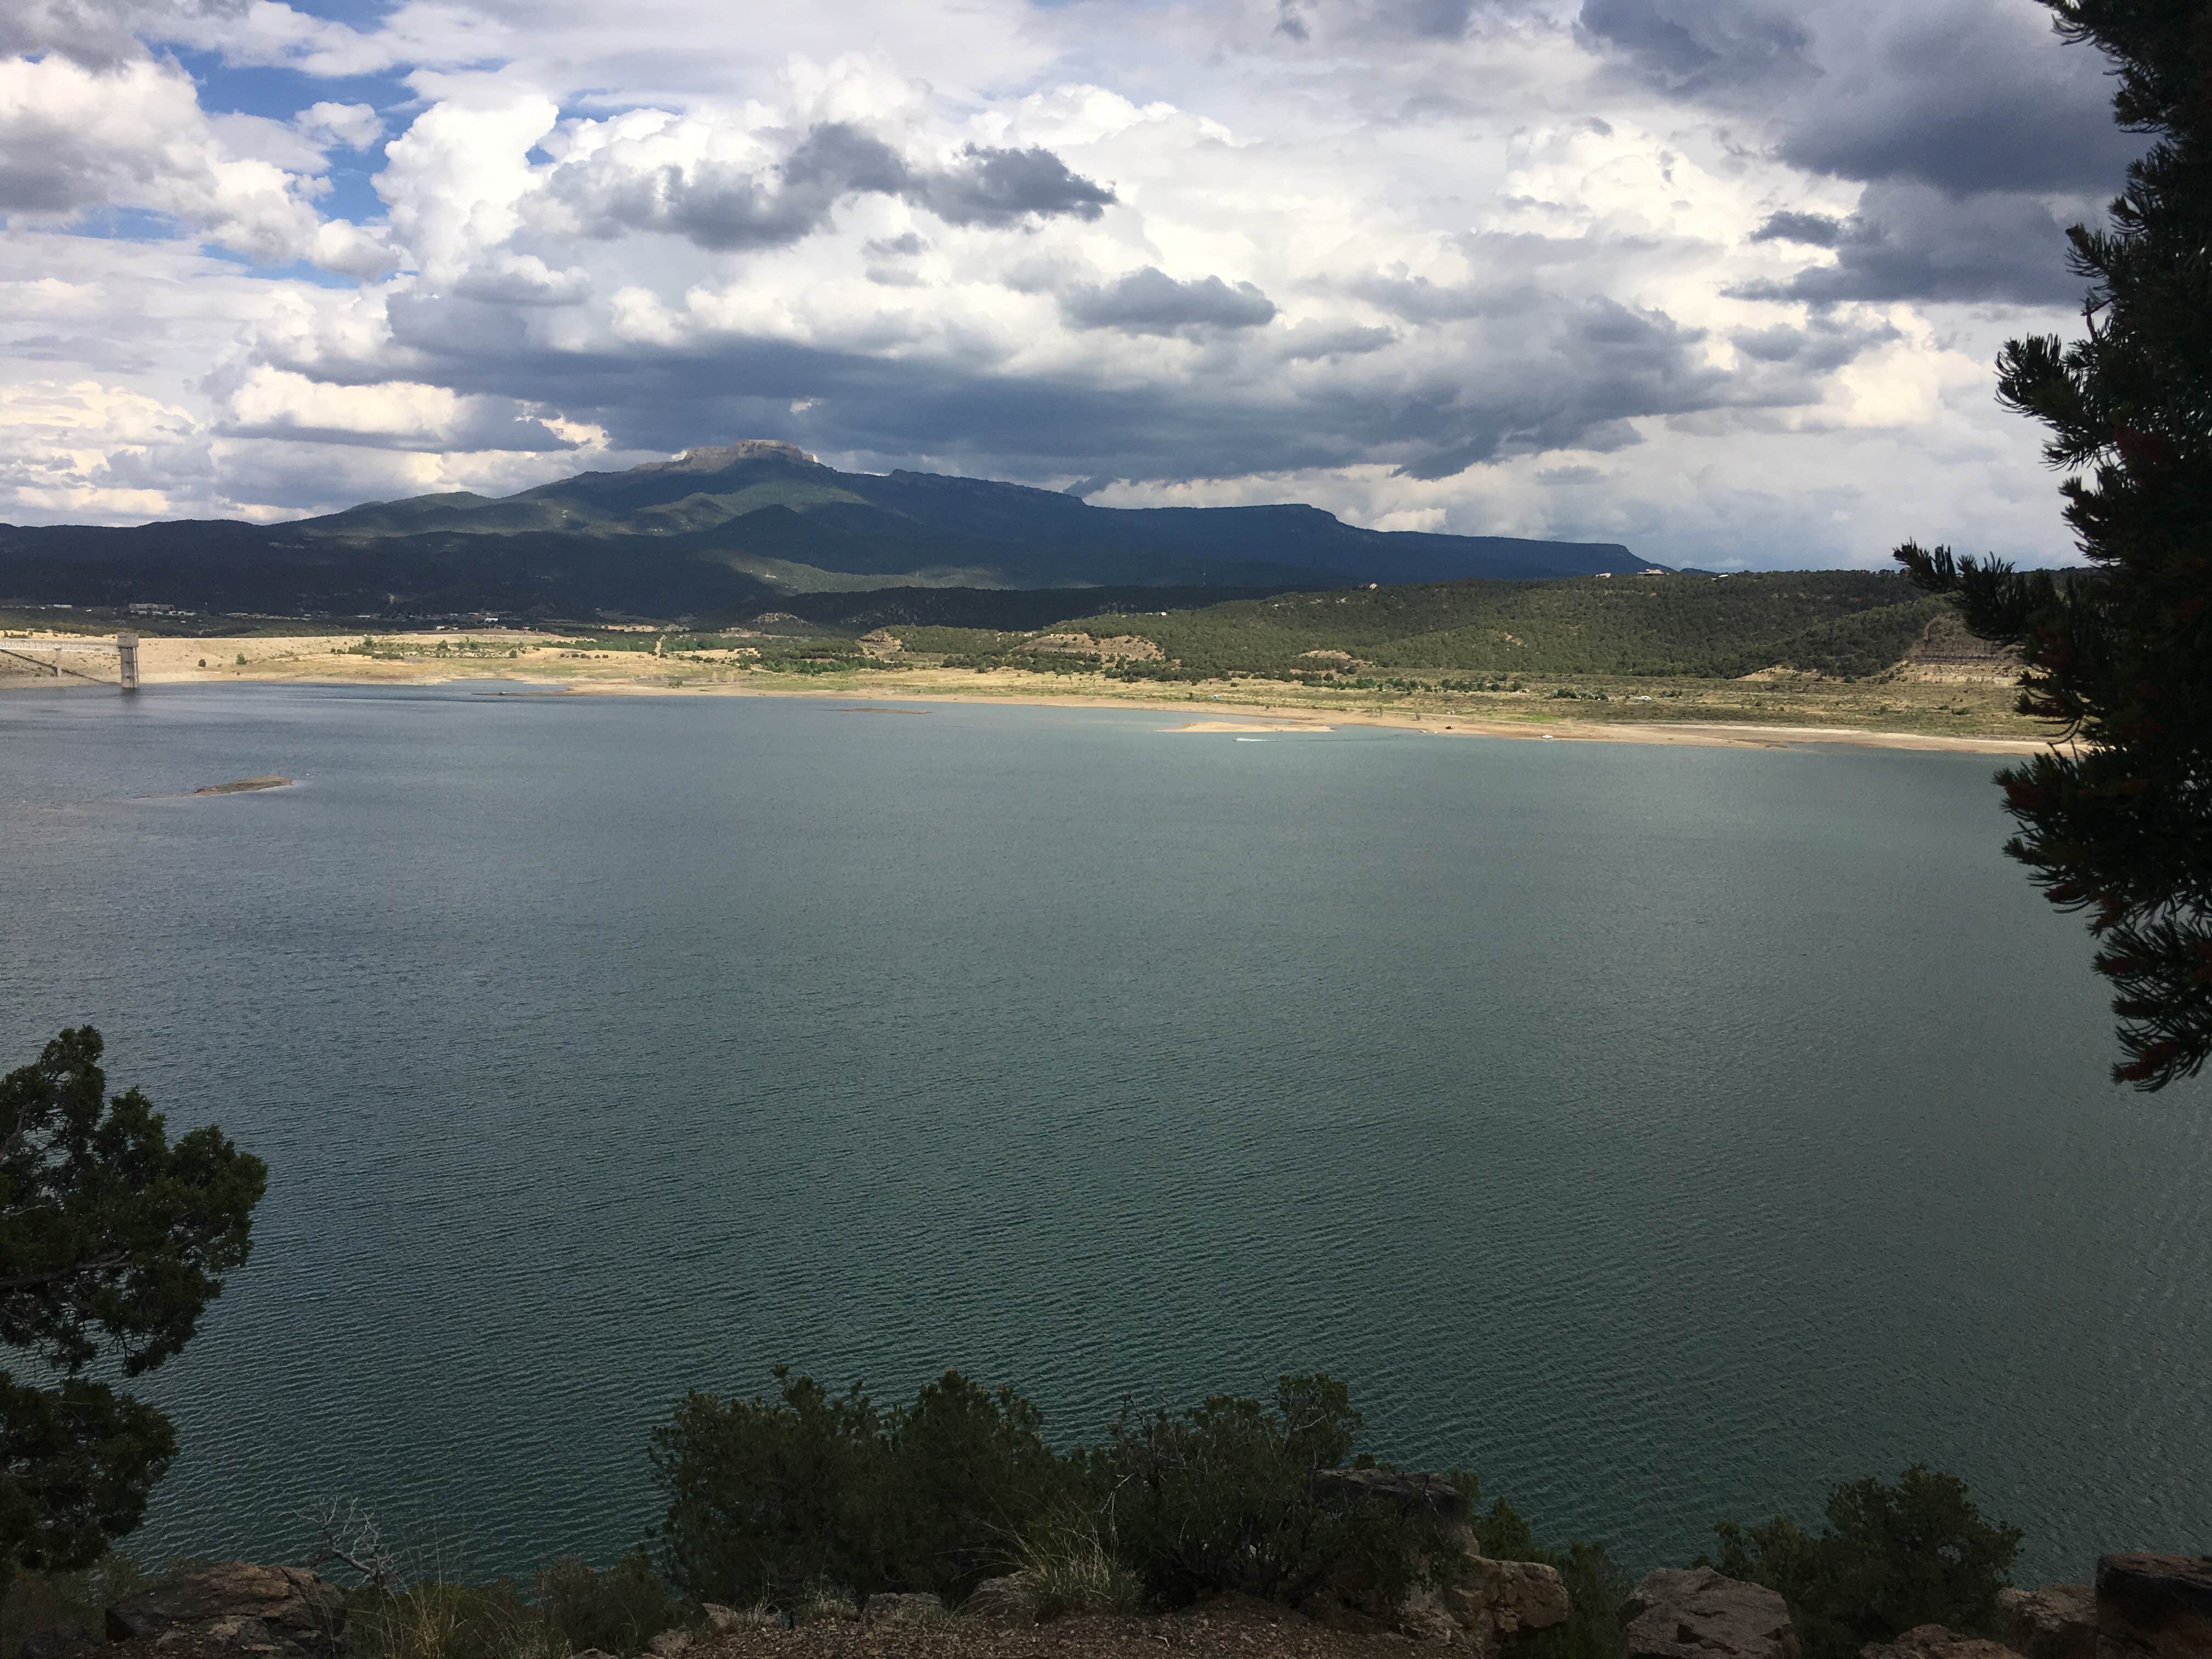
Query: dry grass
x=1068, y=1567
x=434, y=1620
x=819, y=1604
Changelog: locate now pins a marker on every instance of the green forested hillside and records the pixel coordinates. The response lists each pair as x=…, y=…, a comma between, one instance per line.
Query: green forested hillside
x=720, y=530
x=1832, y=622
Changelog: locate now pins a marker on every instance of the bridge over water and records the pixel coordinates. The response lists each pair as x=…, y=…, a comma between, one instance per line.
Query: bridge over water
x=100, y=661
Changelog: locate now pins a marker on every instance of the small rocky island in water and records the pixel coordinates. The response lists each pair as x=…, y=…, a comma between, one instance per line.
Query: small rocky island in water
x=239, y=786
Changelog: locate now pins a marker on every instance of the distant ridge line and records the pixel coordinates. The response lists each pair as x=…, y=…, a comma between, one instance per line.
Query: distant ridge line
x=719, y=528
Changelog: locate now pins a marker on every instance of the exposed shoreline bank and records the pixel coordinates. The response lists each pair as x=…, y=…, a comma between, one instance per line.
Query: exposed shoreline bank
x=1253, y=717
x=539, y=668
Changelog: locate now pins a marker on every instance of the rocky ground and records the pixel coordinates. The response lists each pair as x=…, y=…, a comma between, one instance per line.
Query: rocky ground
x=2141, y=1607
x=1227, y=1627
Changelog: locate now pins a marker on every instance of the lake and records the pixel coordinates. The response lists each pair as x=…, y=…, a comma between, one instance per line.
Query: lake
x=1666, y=1133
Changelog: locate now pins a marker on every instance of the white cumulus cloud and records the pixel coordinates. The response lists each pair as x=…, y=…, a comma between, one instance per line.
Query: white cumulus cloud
x=75, y=140
x=1722, y=281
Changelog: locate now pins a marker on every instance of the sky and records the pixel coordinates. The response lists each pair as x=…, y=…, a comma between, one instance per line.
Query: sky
x=1720, y=279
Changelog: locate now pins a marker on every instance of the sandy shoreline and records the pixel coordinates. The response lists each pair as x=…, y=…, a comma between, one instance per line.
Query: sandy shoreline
x=541, y=672
x=1224, y=716
x=1259, y=717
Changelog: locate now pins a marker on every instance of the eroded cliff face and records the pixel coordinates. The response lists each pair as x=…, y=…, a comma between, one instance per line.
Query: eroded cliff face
x=2154, y=1607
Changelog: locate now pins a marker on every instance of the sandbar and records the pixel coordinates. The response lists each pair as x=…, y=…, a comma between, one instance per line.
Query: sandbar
x=1246, y=727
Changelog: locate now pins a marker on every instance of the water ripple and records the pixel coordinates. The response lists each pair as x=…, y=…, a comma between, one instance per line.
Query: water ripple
x=1666, y=1133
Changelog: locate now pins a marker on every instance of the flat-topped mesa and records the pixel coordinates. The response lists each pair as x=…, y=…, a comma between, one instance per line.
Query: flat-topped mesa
x=713, y=457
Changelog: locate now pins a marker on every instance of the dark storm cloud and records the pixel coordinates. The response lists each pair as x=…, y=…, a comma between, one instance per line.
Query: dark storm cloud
x=1575, y=376
x=1150, y=301
x=1820, y=348
x=1695, y=46
x=1957, y=115
x=1913, y=242
x=1418, y=300
x=718, y=205
x=723, y=207
x=1967, y=95
x=1812, y=229
x=524, y=287
x=1514, y=272
x=998, y=187
x=1312, y=342
x=836, y=159
x=1618, y=362
x=1435, y=20
x=51, y=170
x=499, y=427
x=1959, y=95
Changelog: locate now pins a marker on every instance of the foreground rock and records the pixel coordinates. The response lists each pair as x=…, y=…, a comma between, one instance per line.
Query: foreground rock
x=2058, y=1621
x=1497, y=1603
x=1477, y=1602
x=285, y=1611
x=2154, y=1607
x=1694, y=1612
x=1936, y=1641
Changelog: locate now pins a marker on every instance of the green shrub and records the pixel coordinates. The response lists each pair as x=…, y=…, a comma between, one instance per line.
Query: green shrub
x=617, y=1611
x=1598, y=1590
x=763, y=1498
x=73, y=1604
x=1891, y=1558
x=812, y=1501
x=1502, y=1535
x=1219, y=1497
x=1832, y=621
x=974, y=1470
x=766, y=1496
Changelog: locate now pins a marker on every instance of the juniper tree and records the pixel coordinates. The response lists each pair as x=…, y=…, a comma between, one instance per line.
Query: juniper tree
x=1891, y=1558
x=2119, y=655
x=113, y=1243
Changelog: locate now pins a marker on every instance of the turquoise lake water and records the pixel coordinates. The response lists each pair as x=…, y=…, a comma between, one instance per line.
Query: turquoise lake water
x=1666, y=1133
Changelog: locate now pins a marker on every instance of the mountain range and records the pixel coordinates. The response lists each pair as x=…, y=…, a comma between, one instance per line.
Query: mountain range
x=724, y=529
